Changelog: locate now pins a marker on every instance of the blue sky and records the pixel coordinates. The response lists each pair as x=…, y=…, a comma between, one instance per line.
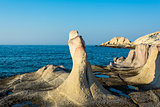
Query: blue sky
x=48, y=22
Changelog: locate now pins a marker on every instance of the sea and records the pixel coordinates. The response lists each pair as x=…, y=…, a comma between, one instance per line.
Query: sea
x=20, y=59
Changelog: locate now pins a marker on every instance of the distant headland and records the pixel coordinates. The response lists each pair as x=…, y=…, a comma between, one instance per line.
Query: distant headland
x=122, y=42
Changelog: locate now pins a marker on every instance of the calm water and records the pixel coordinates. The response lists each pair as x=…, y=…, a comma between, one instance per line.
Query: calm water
x=21, y=59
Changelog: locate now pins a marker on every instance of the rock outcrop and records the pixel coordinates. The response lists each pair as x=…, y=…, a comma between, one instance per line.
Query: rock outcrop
x=52, y=86
x=150, y=39
x=144, y=61
x=118, y=42
x=136, y=76
x=121, y=42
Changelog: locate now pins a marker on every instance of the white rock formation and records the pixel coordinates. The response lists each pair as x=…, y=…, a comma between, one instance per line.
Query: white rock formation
x=150, y=39
x=145, y=61
x=150, y=72
x=117, y=41
x=58, y=89
x=81, y=88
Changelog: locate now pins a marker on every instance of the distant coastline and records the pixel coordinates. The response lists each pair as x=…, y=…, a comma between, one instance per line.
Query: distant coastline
x=122, y=42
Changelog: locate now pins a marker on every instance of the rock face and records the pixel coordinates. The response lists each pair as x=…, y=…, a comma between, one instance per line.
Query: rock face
x=144, y=60
x=47, y=87
x=117, y=42
x=150, y=39
x=137, y=75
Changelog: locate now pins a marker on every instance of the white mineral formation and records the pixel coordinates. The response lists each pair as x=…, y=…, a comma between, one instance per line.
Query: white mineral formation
x=150, y=39
x=144, y=60
x=150, y=72
x=59, y=89
x=81, y=88
x=136, y=58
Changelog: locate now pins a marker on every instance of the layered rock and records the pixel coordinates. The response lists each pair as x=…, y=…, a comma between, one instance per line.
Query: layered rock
x=137, y=75
x=144, y=61
x=47, y=87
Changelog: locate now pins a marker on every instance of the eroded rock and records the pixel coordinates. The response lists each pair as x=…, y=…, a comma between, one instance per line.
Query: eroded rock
x=150, y=39
x=52, y=86
x=144, y=61
x=118, y=42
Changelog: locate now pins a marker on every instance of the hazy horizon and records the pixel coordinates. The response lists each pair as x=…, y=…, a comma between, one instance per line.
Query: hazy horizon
x=48, y=22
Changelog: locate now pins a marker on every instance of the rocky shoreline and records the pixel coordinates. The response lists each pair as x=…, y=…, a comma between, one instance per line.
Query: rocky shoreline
x=129, y=82
x=122, y=42
x=119, y=46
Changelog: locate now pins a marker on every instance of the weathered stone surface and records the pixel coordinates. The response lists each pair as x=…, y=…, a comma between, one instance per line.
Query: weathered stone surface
x=121, y=42
x=144, y=62
x=136, y=58
x=145, y=99
x=118, y=42
x=31, y=86
x=150, y=72
x=52, y=86
x=150, y=39
x=142, y=95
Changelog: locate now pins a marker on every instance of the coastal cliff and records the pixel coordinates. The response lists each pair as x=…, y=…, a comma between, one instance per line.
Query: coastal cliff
x=122, y=42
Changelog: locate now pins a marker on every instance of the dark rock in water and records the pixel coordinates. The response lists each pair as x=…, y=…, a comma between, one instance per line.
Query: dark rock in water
x=119, y=46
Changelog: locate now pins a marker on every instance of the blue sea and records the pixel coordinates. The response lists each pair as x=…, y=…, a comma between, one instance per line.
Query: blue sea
x=20, y=59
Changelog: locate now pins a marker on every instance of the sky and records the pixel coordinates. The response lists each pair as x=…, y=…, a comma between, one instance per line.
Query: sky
x=48, y=22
